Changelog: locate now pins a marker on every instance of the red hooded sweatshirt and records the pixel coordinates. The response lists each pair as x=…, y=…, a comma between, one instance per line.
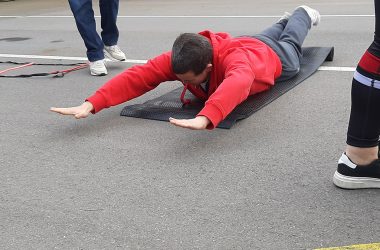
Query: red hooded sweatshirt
x=242, y=66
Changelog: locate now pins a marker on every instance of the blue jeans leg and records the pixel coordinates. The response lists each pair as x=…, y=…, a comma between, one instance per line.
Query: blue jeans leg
x=109, y=10
x=85, y=21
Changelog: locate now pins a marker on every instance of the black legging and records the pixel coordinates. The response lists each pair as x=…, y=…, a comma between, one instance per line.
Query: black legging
x=364, y=126
x=375, y=46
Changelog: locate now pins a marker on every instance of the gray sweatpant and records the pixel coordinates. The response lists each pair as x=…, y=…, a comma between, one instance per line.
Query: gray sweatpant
x=286, y=38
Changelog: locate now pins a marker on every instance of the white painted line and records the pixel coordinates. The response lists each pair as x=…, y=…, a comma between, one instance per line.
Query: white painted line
x=263, y=16
x=63, y=58
x=345, y=69
x=354, y=15
x=44, y=57
x=321, y=68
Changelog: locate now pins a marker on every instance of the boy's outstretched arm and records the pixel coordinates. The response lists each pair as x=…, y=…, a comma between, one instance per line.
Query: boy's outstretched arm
x=130, y=84
x=78, y=112
x=197, y=123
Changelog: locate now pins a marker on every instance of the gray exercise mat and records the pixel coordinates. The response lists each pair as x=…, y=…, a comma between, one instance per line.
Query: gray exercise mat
x=169, y=105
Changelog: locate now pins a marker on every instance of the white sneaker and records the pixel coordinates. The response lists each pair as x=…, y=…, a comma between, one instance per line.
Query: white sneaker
x=313, y=14
x=286, y=16
x=98, y=68
x=114, y=52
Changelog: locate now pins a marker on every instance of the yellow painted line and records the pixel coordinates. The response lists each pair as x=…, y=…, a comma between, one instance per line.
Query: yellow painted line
x=373, y=246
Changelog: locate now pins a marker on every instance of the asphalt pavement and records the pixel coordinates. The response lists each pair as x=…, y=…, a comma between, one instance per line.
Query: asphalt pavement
x=111, y=182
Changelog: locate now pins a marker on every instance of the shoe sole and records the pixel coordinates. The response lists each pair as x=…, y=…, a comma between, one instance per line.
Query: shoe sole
x=97, y=73
x=101, y=74
x=349, y=182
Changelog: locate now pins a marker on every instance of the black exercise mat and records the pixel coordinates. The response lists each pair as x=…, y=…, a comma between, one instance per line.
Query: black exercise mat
x=169, y=105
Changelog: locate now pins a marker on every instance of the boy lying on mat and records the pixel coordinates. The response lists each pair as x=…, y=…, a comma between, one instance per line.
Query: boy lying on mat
x=216, y=68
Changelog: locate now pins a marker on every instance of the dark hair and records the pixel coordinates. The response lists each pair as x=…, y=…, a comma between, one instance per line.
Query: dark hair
x=191, y=52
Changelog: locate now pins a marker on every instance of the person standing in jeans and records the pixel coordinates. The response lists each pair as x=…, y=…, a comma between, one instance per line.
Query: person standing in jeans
x=359, y=166
x=98, y=47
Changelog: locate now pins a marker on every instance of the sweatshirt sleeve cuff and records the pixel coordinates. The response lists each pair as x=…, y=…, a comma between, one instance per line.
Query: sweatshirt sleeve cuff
x=98, y=101
x=213, y=113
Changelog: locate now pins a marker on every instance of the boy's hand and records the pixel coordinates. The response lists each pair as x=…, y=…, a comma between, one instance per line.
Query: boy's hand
x=197, y=123
x=78, y=112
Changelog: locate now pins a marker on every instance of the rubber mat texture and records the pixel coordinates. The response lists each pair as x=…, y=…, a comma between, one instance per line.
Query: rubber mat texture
x=169, y=105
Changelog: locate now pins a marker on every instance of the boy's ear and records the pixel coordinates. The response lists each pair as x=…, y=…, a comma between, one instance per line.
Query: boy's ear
x=209, y=67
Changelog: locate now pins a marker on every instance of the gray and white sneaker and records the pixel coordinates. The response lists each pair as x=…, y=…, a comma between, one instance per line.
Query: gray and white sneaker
x=313, y=14
x=98, y=68
x=286, y=16
x=114, y=52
